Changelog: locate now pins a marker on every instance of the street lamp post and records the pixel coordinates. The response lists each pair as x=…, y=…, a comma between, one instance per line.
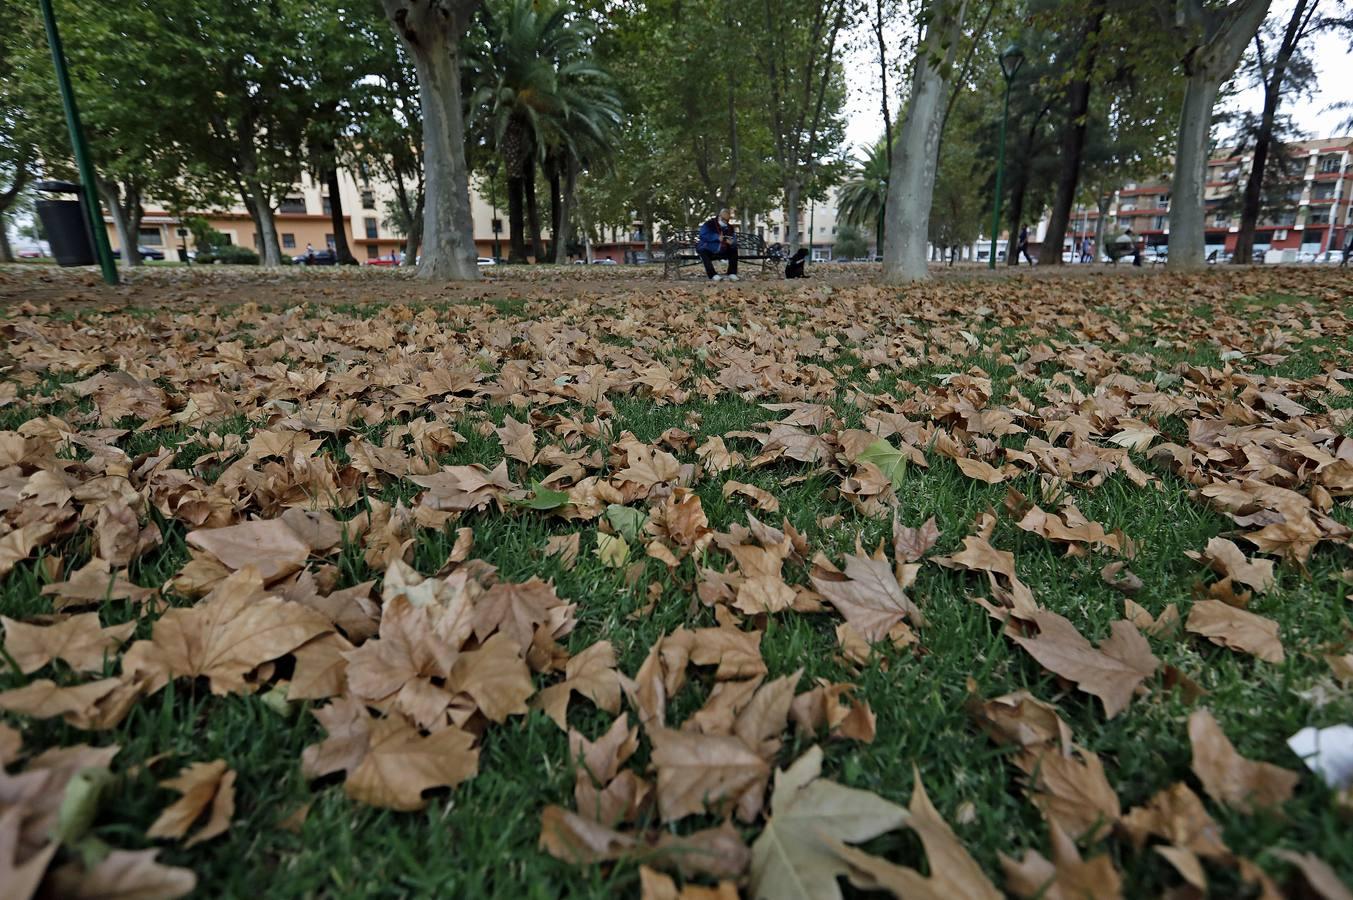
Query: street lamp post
x=1011, y=59
x=97, y=231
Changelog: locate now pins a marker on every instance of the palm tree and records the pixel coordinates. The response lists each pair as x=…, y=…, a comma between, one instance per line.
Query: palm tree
x=539, y=98
x=863, y=200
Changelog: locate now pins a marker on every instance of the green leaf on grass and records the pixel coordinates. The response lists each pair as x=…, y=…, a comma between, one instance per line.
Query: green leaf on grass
x=626, y=520
x=543, y=498
x=891, y=461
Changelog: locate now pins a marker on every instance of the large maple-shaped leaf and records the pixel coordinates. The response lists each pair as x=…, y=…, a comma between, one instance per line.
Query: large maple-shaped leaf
x=203, y=785
x=1238, y=629
x=79, y=641
x=698, y=772
x=794, y=859
x=401, y=763
x=268, y=545
x=1111, y=672
x=869, y=596
x=230, y=633
x=953, y=872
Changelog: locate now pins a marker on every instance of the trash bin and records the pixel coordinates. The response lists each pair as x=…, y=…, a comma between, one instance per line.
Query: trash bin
x=66, y=224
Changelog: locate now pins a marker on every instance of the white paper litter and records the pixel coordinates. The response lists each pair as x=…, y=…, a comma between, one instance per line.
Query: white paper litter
x=1326, y=751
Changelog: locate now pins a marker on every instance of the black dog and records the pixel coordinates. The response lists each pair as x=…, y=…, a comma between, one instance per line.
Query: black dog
x=794, y=268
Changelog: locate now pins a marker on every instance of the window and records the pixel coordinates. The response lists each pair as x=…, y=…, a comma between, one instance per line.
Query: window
x=1160, y=223
x=326, y=206
x=292, y=205
x=1329, y=163
x=1125, y=221
x=150, y=237
x=288, y=241
x=329, y=241
x=368, y=199
x=1221, y=221
x=1323, y=192
x=370, y=227
x=1318, y=217
x=372, y=251
x=1162, y=201
x=497, y=226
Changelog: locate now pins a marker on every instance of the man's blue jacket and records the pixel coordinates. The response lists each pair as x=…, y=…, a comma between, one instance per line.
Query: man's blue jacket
x=710, y=234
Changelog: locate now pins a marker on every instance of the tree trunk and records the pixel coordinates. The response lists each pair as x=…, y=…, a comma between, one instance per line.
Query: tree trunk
x=648, y=235
x=911, y=183
x=6, y=252
x=564, y=210
x=883, y=82
x=132, y=211
x=269, y=248
x=516, y=228
x=792, y=190
x=431, y=31
x=1254, y=187
x=1101, y=223
x=1210, y=62
x=337, y=220
x=1073, y=140
x=533, y=211
x=112, y=198
x=552, y=166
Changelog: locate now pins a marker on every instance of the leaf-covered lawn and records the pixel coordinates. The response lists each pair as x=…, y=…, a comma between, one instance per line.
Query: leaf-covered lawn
x=598, y=586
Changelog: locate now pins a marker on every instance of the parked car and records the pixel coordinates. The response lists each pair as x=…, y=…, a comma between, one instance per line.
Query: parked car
x=391, y=260
x=146, y=253
x=487, y=261
x=318, y=258
x=30, y=253
x=603, y=262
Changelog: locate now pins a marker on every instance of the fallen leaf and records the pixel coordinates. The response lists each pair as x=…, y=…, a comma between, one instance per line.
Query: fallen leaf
x=1318, y=874
x=122, y=875
x=1066, y=877
x=868, y=596
x=796, y=855
x=1237, y=629
x=267, y=545
x=1230, y=778
x=706, y=772
x=79, y=641
x=1112, y=672
x=208, y=785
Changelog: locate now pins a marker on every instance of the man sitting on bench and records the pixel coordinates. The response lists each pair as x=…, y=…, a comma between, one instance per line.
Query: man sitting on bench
x=717, y=242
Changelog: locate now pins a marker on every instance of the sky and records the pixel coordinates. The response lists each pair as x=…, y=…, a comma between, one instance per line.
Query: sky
x=1333, y=58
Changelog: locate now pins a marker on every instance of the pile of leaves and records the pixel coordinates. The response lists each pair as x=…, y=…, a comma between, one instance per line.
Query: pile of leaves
x=236, y=504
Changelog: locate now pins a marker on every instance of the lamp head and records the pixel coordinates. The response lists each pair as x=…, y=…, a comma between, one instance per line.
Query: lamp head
x=1012, y=58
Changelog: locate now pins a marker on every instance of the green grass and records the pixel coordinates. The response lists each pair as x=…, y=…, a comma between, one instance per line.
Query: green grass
x=480, y=840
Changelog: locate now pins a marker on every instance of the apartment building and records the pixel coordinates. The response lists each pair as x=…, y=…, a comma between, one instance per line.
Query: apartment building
x=1315, y=219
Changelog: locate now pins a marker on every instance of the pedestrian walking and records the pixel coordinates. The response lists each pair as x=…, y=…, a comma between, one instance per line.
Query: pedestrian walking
x=1348, y=247
x=1023, y=246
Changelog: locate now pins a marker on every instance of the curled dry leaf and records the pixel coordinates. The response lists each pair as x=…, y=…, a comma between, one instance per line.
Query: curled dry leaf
x=697, y=773
x=79, y=641
x=1230, y=778
x=1176, y=815
x=1227, y=560
x=1318, y=874
x=1023, y=720
x=1237, y=629
x=1066, y=877
x=269, y=546
x=1072, y=792
x=208, y=785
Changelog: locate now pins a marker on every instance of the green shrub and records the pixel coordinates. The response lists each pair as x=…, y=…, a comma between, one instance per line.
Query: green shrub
x=228, y=254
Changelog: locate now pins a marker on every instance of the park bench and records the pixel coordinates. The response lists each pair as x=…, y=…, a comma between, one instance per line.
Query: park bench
x=678, y=251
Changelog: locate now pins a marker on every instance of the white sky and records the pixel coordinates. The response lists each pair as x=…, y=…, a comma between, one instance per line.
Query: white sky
x=1332, y=54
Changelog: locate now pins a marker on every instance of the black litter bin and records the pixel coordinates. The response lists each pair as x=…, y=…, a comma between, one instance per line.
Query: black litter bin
x=66, y=224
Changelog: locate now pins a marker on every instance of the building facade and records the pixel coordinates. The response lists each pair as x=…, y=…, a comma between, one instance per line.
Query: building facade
x=1314, y=221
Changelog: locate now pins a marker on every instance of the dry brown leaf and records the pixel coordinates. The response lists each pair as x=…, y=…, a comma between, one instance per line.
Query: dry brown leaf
x=1167, y=625
x=978, y=470
x=1023, y=720
x=1318, y=874
x=798, y=854
x=518, y=440
x=910, y=544
x=20, y=878
x=1237, y=629
x=122, y=875
x=400, y=763
x=321, y=668
x=233, y=631
x=1066, y=877
x=699, y=772
x=953, y=872
x=576, y=839
x=869, y=596
x=79, y=641
x=43, y=698
x=1074, y=793
x=1230, y=778
x=268, y=546
x=654, y=885
x=495, y=676
x=1112, y=672
x=761, y=499
x=1176, y=815
x=592, y=674
x=1227, y=560
x=208, y=785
